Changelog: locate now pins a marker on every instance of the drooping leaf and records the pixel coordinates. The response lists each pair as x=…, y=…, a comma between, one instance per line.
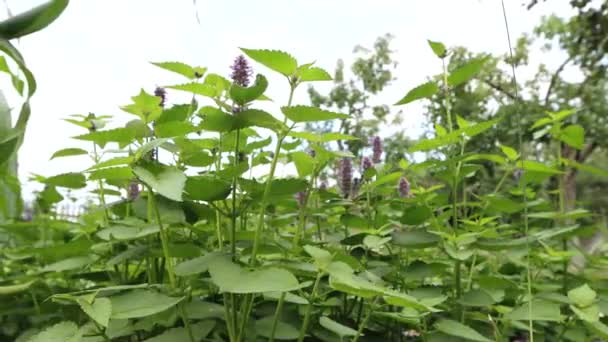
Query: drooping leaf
x=207, y=188
x=454, y=328
x=283, y=331
x=532, y=165
x=542, y=310
x=216, y=120
x=423, y=91
x=123, y=136
x=278, y=61
x=69, y=264
x=174, y=129
x=257, y=118
x=33, y=20
x=310, y=114
x=243, y=95
x=114, y=173
x=168, y=181
x=230, y=277
x=304, y=163
x=311, y=73
x=141, y=303
x=182, y=69
x=337, y=328
x=124, y=233
x=16, y=288
x=200, y=330
x=415, y=238
x=67, y=152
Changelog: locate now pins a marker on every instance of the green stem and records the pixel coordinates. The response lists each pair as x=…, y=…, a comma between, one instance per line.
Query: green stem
x=277, y=314
x=218, y=217
x=102, y=198
x=234, y=209
x=273, y=166
x=365, y=320
x=182, y=312
x=313, y=294
x=562, y=211
x=448, y=108
x=164, y=239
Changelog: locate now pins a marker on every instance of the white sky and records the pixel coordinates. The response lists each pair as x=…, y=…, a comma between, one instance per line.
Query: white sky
x=95, y=57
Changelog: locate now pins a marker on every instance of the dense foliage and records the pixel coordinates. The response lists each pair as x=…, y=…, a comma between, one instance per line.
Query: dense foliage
x=194, y=237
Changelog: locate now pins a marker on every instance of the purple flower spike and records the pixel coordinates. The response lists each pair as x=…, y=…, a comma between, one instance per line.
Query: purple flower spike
x=133, y=191
x=345, y=175
x=312, y=153
x=376, y=149
x=301, y=199
x=404, y=187
x=162, y=93
x=366, y=163
x=241, y=71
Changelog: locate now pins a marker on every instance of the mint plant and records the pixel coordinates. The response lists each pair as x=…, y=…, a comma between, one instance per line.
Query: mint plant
x=193, y=236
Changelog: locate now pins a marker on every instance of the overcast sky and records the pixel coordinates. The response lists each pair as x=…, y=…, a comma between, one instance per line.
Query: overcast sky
x=96, y=55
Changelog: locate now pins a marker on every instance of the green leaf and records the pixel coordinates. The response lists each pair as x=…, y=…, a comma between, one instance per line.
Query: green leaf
x=182, y=69
x=8, y=147
x=478, y=297
x=438, y=49
x=573, y=135
x=322, y=257
x=195, y=266
x=304, y=163
x=325, y=137
x=310, y=114
x=582, y=296
x=283, y=331
x=69, y=264
x=112, y=162
x=257, y=118
x=197, y=89
x=337, y=328
x=589, y=314
x=17, y=288
x=531, y=165
x=216, y=120
x=198, y=309
x=100, y=310
x=114, y=173
x=123, y=136
x=145, y=106
x=141, y=303
x=200, y=330
x=311, y=73
x=415, y=238
x=124, y=233
x=33, y=20
x=342, y=278
x=542, y=310
x=454, y=328
x=230, y=277
x=168, y=181
x=278, y=61
x=60, y=332
x=423, y=91
x=72, y=180
x=509, y=152
x=207, y=188
x=243, y=95
x=466, y=72
x=586, y=168
x=174, y=129
x=67, y=152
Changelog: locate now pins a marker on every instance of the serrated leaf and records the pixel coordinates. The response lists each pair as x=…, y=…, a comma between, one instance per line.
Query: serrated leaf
x=145, y=106
x=67, y=152
x=310, y=114
x=72, y=180
x=61, y=332
x=174, y=129
x=182, y=69
x=324, y=137
x=304, y=163
x=313, y=74
x=454, y=328
x=141, y=303
x=114, y=173
x=423, y=91
x=166, y=180
x=510, y=152
x=123, y=136
x=532, y=165
x=321, y=257
x=542, y=310
x=197, y=89
x=466, y=72
x=216, y=120
x=207, y=188
x=257, y=118
x=278, y=61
